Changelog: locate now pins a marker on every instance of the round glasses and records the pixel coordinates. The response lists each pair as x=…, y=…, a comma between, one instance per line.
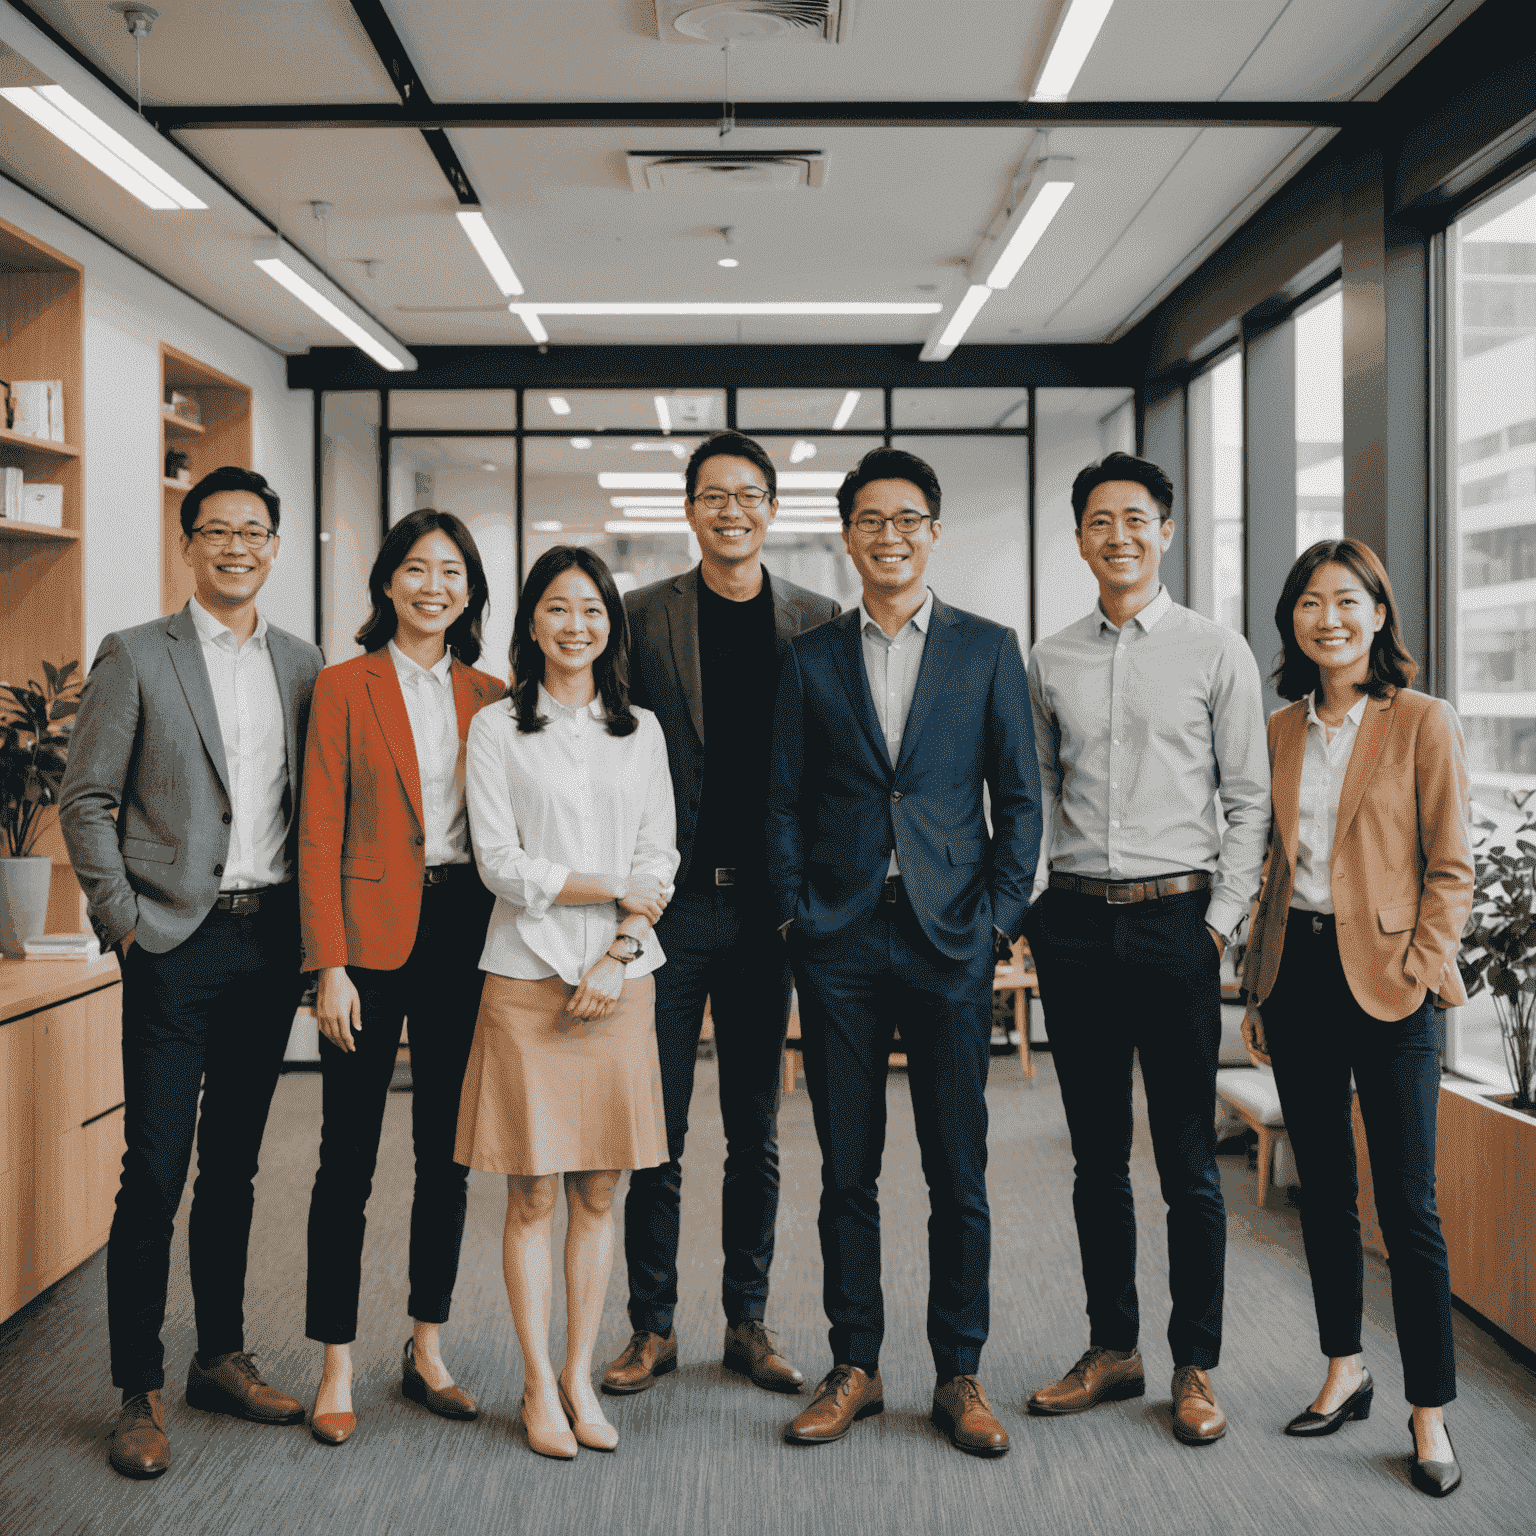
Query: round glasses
x=904, y=522
x=252, y=536
x=748, y=500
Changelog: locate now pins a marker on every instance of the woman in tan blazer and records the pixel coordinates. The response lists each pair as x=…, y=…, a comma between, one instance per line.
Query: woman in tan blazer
x=1366, y=890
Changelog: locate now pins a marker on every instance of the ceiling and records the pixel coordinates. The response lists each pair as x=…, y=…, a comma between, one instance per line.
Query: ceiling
x=899, y=214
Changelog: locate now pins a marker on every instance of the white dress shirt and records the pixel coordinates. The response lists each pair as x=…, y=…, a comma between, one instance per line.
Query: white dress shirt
x=1139, y=730
x=250, y=710
x=567, y=798
x=439, y=764
x=891, y=662
x=1323, y=766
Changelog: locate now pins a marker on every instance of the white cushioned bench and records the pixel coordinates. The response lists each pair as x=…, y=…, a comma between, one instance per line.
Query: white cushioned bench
x=1251, y=1094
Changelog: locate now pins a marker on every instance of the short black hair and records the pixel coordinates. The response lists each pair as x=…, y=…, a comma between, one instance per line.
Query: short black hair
x=1391, y=665
x=230, y=477
x=463, y=637
x=1122, y=466
x=735, y=445
x=888, y=464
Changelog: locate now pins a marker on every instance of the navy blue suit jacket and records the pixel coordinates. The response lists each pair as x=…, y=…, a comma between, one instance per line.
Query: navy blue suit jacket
x=837, y=805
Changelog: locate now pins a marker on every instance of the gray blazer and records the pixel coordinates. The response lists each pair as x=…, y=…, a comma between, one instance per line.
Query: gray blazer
x=667, y=677
x=145, y=806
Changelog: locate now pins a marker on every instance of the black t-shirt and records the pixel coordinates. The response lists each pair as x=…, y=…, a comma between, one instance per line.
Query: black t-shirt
x=739, y=660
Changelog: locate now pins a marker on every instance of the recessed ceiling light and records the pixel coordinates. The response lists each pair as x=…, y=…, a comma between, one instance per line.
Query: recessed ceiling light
x=548, y=527
x=845, y=410
x=489, y=251
x=801, y=450
x=560, y=405
x=488, y=467
x=1076, y=33
x=581, y=442
x=727, y=261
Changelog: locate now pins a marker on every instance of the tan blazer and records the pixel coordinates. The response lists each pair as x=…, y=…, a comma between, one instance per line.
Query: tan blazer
x=1401, y=871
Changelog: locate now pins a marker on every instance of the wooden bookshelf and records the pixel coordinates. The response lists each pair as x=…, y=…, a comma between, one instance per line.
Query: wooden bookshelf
x=223, y=436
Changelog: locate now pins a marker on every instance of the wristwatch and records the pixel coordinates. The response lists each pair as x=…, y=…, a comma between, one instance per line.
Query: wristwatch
x=633, y=948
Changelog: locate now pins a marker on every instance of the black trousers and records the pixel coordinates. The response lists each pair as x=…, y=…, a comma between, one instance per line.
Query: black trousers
x=1118, y=981
x=721, y=945
x=1318, y=1035
x=438, y=988
x=856, y=991
x=213, y=1016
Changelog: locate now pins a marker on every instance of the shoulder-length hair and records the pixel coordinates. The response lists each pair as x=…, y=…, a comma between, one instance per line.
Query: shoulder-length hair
x=1391, y=666
x=463, y=637
x=611, y=669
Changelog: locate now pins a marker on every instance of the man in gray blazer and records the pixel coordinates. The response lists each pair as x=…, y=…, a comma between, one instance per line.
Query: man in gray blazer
x=704, y=655
x=178, y=812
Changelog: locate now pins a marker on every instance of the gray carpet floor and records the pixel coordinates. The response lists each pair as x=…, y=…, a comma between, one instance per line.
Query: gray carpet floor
x=702, y=1453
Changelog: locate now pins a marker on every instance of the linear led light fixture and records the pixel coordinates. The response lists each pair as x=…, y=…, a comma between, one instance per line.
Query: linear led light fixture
x=710, y=307
x=654, y=503
x=1077, y=29
x=53, y=108
x=663, y=414
x=280, y=264
x=560, y=405
x=629, y=525
x=472, y=220
x=938, y=348
x=845, y=410
x=643, y=480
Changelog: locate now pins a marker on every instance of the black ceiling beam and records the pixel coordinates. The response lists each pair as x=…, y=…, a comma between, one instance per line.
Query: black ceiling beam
x=413, y=94
x=418, y=113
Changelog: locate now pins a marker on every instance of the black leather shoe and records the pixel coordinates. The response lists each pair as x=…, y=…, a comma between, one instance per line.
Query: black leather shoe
x=1436, y=1478
x=1308, y=1425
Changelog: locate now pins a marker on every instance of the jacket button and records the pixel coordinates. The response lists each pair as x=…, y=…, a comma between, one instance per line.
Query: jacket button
x=895, y=794
x=227, y=818
x=218, y=869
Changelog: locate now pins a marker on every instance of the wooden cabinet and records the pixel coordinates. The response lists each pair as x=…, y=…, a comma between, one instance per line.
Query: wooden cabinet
x=61, y=1118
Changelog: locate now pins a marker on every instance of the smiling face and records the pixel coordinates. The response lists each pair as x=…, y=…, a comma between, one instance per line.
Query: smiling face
x=890, y=562
x=231, y=576
x=430, y=587
x=731, y=533
x=1122, y=537
x=570, y=625
x=1335, y=622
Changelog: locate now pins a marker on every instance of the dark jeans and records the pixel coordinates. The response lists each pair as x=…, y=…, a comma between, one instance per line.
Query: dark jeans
x=720, y=945
x=213, y=1014
x=856, y=990
x=1318, y=1034
x=438, y=988
x=1118, y=981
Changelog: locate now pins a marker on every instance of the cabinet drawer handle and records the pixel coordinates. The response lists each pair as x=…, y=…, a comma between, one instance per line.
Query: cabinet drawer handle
x=103, y=1115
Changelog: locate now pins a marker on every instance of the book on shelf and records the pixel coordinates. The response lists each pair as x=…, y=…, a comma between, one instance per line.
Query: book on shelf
x=10, y=507
x=39, y=408
x=63, y=946
x=183, y=408
x=43, y=503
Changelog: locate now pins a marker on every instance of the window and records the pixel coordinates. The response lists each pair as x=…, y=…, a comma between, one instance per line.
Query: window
x=1216, y=543
x=1320, y=421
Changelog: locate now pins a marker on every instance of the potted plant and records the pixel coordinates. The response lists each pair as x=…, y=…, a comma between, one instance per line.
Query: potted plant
x=34, y=743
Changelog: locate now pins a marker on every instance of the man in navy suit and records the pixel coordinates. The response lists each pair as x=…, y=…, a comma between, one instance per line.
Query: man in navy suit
x=892, y=720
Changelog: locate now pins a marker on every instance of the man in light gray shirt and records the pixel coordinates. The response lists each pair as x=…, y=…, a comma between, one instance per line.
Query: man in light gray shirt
x=1146, y=715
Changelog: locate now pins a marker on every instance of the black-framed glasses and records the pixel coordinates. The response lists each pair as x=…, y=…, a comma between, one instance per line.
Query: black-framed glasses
x=252, y=536
x=871, y=525
x=748, y=500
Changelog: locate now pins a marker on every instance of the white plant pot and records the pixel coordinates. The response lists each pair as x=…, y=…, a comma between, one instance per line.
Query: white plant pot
x=23, y=901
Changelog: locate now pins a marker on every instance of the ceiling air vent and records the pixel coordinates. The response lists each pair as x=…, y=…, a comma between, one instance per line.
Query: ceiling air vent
x=782, y=170
x=753, y=21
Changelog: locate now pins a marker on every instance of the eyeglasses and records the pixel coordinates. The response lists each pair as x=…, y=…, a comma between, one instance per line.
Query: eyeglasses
x=252, y=536
x=748, y=500
x=905, y=522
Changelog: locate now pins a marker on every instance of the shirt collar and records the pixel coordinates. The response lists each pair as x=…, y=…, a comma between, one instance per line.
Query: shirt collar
x=215, y=632
x=921, y=618
x=413, y=672
x=1355, y=715
x=548, y=703
x=1148, y=618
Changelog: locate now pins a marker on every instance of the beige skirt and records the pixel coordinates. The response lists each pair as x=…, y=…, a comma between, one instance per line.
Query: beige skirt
x=544, y=1093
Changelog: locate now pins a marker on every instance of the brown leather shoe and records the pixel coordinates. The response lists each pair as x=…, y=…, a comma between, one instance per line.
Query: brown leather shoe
x=333, y=1428
x=232, y=1384
x=845, y=1396
x=450, y=1403
x=1100, y=1376
x=961, y=1410
x=646, y=1357
x=138, y=1447
x=752, y=1350
x=1197, y=1416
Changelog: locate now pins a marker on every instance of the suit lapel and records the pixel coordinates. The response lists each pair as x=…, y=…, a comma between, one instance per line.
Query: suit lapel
x=466, y=697
x=937, y=651
x=682, y=608
x=849, y=651
x=389, y=709
x=277, y=649
x=1375, y=725
x=192, y=672
x=1290, y=750
x=786, y=614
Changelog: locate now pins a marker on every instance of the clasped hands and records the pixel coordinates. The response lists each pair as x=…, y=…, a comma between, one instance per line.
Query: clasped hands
x=597, y=993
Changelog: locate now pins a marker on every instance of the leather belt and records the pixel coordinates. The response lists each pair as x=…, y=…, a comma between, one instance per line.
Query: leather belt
x=1125, y=893
x=243, y=902
x=891, y=890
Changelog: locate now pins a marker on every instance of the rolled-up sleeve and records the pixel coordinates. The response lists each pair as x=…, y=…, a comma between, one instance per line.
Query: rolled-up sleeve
x=506, y=867
x=656, y=841
x=1242, y=763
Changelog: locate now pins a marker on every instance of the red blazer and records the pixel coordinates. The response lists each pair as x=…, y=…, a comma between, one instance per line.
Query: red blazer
x=362, y=845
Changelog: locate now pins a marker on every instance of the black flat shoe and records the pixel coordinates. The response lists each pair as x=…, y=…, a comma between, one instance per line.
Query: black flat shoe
x=1308, y=1425
x=1436, y=1478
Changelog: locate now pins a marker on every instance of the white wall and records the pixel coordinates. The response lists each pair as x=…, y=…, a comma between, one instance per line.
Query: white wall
x=128, y=313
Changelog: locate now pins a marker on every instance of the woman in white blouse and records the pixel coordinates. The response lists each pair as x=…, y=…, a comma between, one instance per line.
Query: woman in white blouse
x=570, y=803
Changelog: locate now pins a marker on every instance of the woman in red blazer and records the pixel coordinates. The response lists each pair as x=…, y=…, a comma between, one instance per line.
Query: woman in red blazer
x=393, y=916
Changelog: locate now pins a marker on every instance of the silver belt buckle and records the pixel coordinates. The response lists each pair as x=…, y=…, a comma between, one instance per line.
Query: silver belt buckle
x=725, y=876
x=1124, y=885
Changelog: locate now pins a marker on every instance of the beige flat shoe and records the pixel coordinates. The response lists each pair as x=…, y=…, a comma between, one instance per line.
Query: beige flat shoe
x=601, y=1436
x=559, y=1446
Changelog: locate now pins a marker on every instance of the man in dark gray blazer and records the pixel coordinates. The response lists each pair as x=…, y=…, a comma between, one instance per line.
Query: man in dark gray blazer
x=704, y=655
x=178, y=812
